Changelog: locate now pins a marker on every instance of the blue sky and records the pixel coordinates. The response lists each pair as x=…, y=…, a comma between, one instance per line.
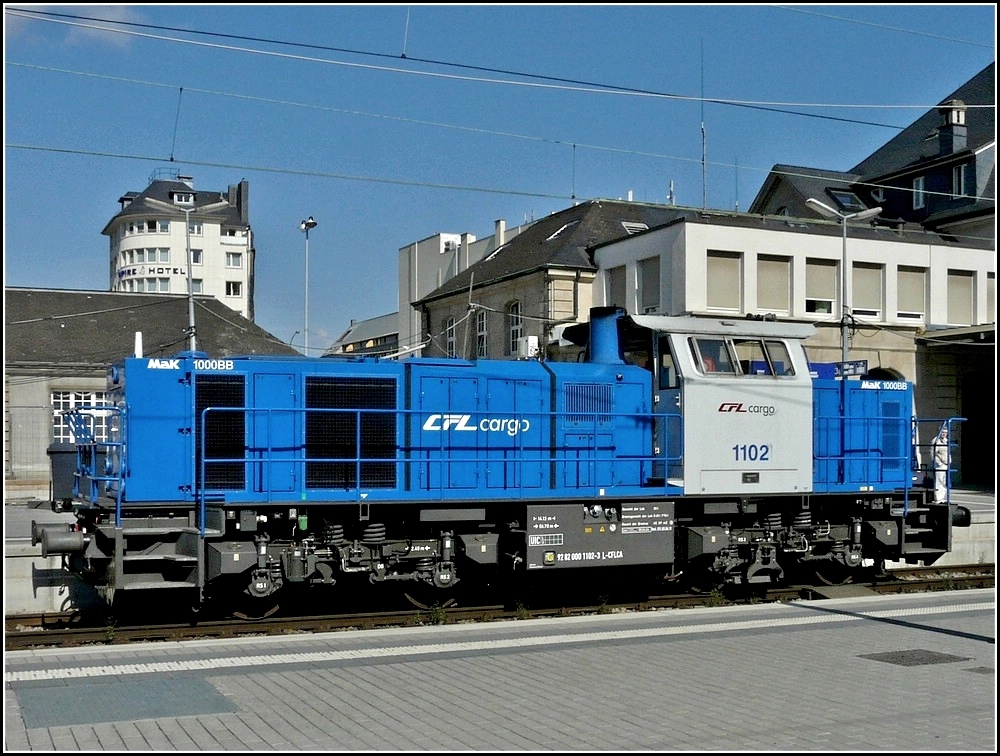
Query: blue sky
x=496, y=111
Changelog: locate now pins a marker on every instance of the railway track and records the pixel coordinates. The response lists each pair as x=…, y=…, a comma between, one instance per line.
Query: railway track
x=25, y=632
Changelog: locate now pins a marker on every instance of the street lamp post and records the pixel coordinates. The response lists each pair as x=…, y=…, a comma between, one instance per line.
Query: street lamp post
x=824, y=209
x=306, y=225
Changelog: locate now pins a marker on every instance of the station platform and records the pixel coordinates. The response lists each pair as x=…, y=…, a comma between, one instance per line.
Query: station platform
x=35, y=585
x=908, y=672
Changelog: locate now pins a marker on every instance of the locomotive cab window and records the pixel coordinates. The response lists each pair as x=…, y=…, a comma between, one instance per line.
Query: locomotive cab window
x=712, y=356
x=753, y=360
x=781, y=360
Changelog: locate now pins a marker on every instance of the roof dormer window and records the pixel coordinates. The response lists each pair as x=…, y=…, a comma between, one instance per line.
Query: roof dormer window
x=847, y=201
x=634, y=227
x=183, y=198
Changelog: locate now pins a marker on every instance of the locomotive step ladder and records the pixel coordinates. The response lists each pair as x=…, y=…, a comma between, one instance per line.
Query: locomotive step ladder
x=160, y=551
x=921, y=531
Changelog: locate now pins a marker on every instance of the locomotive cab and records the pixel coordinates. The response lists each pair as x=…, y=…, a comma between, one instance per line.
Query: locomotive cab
x=732, y=403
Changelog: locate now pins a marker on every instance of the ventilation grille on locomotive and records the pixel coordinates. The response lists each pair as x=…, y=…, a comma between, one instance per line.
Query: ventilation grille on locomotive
x=583, y=400
x=225, y=431
x=894, y=428
x=348, y=421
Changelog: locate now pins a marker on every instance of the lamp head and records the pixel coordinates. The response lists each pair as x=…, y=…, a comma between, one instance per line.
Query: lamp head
x=823, y=209
x=871, y=212
x=308, y=224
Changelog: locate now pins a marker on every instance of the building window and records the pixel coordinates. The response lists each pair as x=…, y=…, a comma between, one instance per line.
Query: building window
x=867, y=296
x=481, y=343
x=163, y=226
x=152, y=255
x=821, y=286
x=234, y=260
x=773, y=284
x=195, y=228
x=919, y=198
x=563, y=230
x=723, y=281
x=197, y=286
x=153, y=285
x=616, y=287
x=958, y=181
x=95, y=420
x=634, y=227
x=184, y=198
x=911, y=293
x=515, y=327
x=449, y=337
x=196, y=256
x=234, y=288
x=960, y=297
x=649, y=284
x=847, y=201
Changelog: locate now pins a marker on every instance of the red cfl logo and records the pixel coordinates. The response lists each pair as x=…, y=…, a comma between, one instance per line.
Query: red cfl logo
x=731, y=407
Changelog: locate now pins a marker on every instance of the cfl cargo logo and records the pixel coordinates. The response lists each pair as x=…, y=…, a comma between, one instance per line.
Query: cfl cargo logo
x=754, y=409
x=509, y=425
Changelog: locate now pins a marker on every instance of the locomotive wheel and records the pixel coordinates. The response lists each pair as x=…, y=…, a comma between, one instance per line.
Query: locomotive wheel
x=832, y=573
x=255, y=608
x=427, y=607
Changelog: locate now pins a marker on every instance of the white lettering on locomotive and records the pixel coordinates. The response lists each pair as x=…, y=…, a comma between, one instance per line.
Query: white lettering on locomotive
x=213, y=364
x=509, y=425
x=158, y=364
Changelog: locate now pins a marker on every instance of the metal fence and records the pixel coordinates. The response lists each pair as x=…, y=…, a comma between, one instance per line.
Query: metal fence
x=27, y=437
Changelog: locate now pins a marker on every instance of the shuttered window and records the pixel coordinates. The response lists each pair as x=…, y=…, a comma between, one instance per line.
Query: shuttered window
x=773, y=284
x=723, y=281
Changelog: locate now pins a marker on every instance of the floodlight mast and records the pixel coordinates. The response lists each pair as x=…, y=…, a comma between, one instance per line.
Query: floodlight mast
x=823, y=209
x=306, y=226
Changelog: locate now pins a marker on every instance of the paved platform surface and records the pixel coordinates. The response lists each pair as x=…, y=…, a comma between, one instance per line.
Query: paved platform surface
x=886, y=673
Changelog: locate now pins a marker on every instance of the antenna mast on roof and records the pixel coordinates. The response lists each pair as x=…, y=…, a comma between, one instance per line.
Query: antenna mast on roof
x=704, y=177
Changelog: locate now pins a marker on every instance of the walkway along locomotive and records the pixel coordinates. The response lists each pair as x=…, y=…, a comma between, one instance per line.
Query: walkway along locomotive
x=721, y=453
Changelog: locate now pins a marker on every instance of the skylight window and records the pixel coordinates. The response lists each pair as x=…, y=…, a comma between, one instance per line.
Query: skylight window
x=563, y=230
x=847, y=201
x=634, y=227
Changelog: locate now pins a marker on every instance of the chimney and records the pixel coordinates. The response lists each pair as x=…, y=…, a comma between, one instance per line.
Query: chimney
x=463, y=257
x=500, y=235
x=953, y=133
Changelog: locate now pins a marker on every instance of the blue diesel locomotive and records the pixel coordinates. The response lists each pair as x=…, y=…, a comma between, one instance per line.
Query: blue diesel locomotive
x=677, y=444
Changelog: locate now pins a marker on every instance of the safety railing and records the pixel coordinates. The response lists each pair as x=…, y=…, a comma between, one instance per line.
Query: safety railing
x=414, y=452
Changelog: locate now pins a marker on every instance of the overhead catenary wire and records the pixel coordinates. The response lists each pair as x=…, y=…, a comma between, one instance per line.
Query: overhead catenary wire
x=577, y=85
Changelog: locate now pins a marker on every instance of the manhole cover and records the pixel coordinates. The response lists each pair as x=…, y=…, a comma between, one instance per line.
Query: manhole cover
x=915, y=658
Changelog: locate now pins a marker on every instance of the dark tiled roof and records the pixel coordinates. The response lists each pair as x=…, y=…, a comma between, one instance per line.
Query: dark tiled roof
x=382, y=327
x=92, y=329
x=560, y=240
x=806, y=182
x=163, y=190
x=906, y=148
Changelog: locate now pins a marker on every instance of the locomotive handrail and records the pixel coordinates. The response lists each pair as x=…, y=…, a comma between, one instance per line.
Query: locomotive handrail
x=89, y=448
x=416, y=453
x=923, y=467
x=878, y=462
